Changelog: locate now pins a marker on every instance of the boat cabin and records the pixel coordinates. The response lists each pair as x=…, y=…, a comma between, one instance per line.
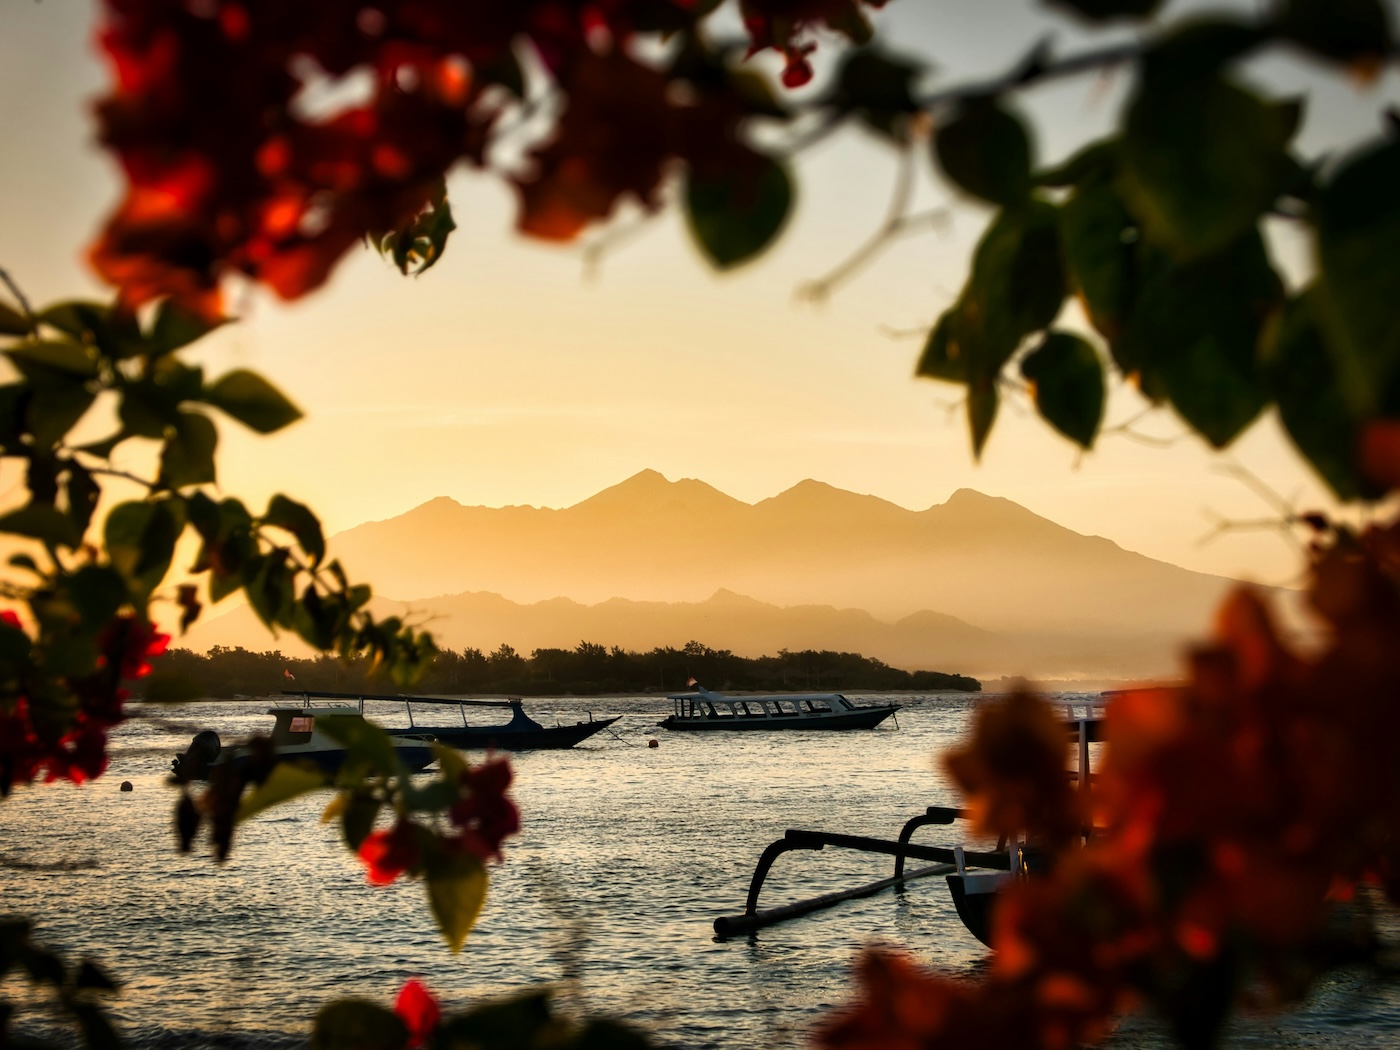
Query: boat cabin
x=713, y=705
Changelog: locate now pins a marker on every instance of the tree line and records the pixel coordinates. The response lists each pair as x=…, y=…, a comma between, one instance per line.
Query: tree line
x=589, y=669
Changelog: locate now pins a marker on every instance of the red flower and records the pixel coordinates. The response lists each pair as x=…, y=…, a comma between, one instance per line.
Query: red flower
x=418, y=1010
x=486, y=816
x=388, y=854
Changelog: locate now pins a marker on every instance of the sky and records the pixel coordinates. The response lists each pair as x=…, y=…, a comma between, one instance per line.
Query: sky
x=513, y=373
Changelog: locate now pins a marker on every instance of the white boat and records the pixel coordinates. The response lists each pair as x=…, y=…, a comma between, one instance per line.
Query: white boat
x=296, y=736
x=705, y=710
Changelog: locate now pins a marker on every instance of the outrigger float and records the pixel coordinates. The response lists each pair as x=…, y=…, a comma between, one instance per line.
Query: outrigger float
x=707, y=710
x=973, y=876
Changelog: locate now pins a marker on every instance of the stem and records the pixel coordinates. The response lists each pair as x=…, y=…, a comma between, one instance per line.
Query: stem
x=19, y=295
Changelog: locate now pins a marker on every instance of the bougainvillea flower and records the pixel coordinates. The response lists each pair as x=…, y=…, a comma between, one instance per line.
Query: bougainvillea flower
x=418, y=1010
x=388, y=854
x=486, y=816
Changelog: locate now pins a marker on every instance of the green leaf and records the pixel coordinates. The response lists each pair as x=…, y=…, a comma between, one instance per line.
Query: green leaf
x=1102, y=10
x=1016, y=287
x=1098, y=236
x=78, y=318
x=737, y=211
x=176, y=327
x=982, y=401
x=1097, y=158
x=188, y=455
x=1196, y=329
x=1067, y=385
x=419, y=244
x=55, y=408
x=288, y=780
x=298, y=519
x=1314, y=409
x=357, y=818
x=879, y=88
x=59, y=356
x=97, y=592
x=1350, y=31
x=92, y=976
x=1203, y=160
x=524, y=1020
x=941, y=359
x=1358, y=242
x=15, y=648
x=140, y=540
x=41, y=521
x=12, y=322
x=367, y=745
x=98, y=1033
x=353, y=1024
x=986, y=151
x=270, y=584
x=253, y=401
x=456, y=893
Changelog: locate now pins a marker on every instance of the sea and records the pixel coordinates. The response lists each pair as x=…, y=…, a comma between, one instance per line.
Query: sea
x=626, y=856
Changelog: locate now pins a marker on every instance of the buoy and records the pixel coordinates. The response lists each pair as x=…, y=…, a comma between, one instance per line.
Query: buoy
x=126, y=786
x=653, y=743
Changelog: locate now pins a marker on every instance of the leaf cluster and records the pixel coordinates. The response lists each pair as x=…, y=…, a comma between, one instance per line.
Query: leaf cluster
x=524, y=1022
x=1156, y=231
x=83, y=582
x=76, y=990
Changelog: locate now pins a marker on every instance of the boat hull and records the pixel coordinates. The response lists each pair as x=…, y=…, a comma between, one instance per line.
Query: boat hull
x=508, y=738
x=860, y=718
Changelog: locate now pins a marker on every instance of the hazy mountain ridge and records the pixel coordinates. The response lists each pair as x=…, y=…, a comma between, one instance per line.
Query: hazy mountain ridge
x=922, y=641
x=986, y=560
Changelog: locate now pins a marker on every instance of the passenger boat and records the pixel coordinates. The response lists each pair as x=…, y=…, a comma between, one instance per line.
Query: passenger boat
x=296, y=736
x=704, y=710
x=521, y=733
x=973, y=877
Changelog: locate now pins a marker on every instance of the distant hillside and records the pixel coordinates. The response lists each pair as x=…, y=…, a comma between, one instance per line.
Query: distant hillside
x=985, y=560
x=924, y=640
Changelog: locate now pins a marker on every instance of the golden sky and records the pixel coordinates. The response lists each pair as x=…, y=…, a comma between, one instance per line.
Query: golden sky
x=508, y=375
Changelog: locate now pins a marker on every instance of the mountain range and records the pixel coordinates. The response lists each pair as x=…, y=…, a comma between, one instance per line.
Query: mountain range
x=976, y=585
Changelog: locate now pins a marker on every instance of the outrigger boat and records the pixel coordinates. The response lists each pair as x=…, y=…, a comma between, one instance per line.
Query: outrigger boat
x=521, y=733
x=296, y=736
x=973, y=877
x=706, y=710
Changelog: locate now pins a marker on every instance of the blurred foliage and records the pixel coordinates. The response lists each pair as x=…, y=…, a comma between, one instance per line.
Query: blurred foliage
x=1226, y=848
x=70, y=995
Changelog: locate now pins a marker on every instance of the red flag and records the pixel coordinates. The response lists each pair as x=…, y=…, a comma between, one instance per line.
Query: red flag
x=287, y=673
x=691, y=681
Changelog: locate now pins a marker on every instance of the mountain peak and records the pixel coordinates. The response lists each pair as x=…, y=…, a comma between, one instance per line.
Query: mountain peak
x=649, y=489
x=809, y=496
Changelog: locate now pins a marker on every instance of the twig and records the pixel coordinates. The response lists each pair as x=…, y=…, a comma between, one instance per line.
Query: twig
x=1125, y=429
x=898, y=223
x=19, y=295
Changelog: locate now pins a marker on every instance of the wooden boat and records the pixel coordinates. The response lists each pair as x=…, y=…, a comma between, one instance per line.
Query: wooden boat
x=521, y=733
x=706, y=710
x=973, y=877
x=296, y=736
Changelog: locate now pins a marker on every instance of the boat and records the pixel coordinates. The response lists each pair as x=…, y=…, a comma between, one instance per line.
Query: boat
x=296, y=736
x=705, y=710
x=973, y=877
x=520, y=733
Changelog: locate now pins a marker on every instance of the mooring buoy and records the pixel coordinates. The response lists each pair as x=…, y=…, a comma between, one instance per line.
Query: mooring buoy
x=653, y=742
x=126, y=786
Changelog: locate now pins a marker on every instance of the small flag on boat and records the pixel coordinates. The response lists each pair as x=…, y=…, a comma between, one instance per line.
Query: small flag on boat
x=691, y=681
x=287, y=673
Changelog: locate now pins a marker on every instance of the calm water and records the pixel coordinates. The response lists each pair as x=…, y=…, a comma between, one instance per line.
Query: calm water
x=626, y=856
